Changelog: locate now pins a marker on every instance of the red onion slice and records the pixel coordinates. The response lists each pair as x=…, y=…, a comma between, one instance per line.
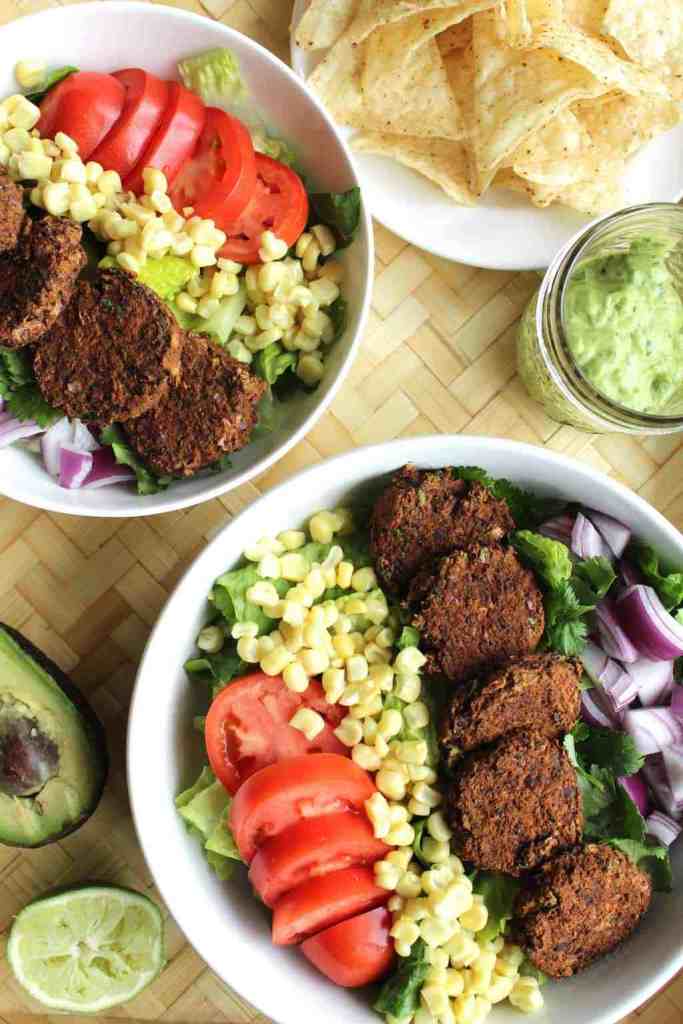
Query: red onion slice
x=655, y=680
x=595, y=713
x=558, y=528
x=673, y=767
x=51, y=442
x=613, y=639
x=629, y=574
x=654, y=772
x=106, y=470
x=12, y=430
x=81, y=437
x=653, y=729
x=615, y=535
x=586, y=541
x=636, y=787
x=662, y=828
x=74, y=466
x=621, y=691
x=656, y=634
x=594, y=661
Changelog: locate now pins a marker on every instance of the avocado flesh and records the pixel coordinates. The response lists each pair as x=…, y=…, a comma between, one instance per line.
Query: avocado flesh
x=52, y=753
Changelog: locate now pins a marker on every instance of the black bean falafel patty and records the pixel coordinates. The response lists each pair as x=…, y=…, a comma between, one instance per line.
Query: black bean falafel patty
x=11, y=213
x=37, y=279
x=535, y=691
x=474, y=610
x=428, y=512
x=111, y=355
x=209, y=411
x=515, y=804
x=578, y=907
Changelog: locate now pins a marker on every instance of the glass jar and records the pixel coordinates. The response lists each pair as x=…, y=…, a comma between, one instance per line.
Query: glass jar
x=544, y=359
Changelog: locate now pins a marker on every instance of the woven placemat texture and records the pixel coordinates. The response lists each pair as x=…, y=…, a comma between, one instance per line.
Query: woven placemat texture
x=438, y=357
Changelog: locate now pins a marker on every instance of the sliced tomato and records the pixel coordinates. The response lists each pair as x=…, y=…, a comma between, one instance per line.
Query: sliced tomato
x=85, y=106
x=175, y=138
x=299, y=787
x=220, y=177
x=312, y=847
x=355, y=952
x=143, y=107
x=247, y=727
x=322, y=902
x=279, y=204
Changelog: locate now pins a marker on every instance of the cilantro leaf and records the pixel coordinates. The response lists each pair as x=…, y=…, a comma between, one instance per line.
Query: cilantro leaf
x=565, y=630
x=653, y=859
x=550, y=559
x=667, y=583
x=608, y=749
x=148, y=482
x=499, y=893
x=528, y=510
x=15, y=370
x=27, y=403
x=400, y=993
x=340, y=211
x=592, y=579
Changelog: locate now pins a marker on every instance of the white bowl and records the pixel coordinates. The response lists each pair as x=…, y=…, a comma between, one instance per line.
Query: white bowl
x=223, y=921
x=110, y=35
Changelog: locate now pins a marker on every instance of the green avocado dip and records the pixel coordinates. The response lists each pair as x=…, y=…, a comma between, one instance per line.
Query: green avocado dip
x=623, y=320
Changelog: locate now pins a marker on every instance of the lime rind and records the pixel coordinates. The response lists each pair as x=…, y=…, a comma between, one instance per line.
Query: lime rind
x=87, y=949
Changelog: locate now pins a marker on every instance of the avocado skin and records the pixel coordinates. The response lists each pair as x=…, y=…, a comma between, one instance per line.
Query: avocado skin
x=93, y=727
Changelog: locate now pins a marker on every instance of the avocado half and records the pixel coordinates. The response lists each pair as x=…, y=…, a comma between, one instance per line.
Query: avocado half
x=53, y=750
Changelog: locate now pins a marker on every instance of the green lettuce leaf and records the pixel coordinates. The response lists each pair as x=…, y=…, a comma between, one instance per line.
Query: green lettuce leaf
x=147, y=481
x=217, y=670
x=667, y=582
x=340, y=211
x=204, y=808
x=229, y=596
x=206, y=778
x=214, y=75
x=51, y=79
x=528, y=510
x=653, y=859
x=529, y=970
x=271, y=362
x=550, y=559
x=166, y=276
x=409, y=637
x=499, y=893
x=338, y=314
x=400, y=993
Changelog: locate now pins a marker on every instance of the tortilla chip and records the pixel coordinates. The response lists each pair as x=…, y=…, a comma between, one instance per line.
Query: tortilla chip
x=460, y=70
x=337, y=80
x=404, y=81
x=454, y=39
x=323, y=23
x=558, y=155
x=585, y=14
x=374, y=14
x=619, y=125
x=516, y=93
x=441, y=160
x=522, y=16
x=651, y=33
x=591, y=197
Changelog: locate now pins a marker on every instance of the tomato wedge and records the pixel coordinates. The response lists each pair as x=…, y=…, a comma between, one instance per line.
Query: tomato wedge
x=247, y=727
x=85, y=106
x=279, y=204
x=219, y=178
x=322, y=902
x=356, y=952
x=143, y=107
x=175, y=138
x=312, y=847
x=299, y=787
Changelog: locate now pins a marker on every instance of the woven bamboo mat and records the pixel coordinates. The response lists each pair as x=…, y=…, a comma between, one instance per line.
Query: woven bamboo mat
x=438, y=356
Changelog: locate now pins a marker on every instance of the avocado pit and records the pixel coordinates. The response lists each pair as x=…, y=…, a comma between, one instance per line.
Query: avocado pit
x=29, y=758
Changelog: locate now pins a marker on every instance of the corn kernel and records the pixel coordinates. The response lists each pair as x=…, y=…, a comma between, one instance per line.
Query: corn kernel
x=476, y=917
x=309, y=260
x=365, y=757
x=417, y=715
x=435, y=932
x=262, y=594
x=30, y=73
x=310, y=370
x=154, y=180
x=247, y=648
x=410, y=659
x=322, y=527
x=427, y=795
x=462, y=950
x=434, y=851
x=382, y=676
x=303, y=243
x=325, y=239
x=526, y=995
x=315, y=583
x=387, y=875
x=417, y=809
x=293, y=567
x=56, y=198
x=269, y=567
x=401, y=834
x=333, y=684
x=499, y=988
x=307, y=721
x=295, y=677
x=17, y=140
x=182, y=244
x=437, y=827
x=411, y=751
x=377, y=810
x=229, y=266
x=270, y=276
x=24, y=114
x=391, y=784
x=292, y=539
x=405, y=930
x=314, y=662
x=408, y=687
x=35, y=166
x=202, y=256
x=356, y=668
x=186, y=303
x=271, y=247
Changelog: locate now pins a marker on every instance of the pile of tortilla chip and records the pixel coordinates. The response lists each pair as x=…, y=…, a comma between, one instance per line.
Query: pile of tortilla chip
x=546, y=97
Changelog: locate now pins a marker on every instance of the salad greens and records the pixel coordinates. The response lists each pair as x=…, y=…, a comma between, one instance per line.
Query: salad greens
x=667, y=583
x=400, y=993
x=339, y=211
x=148, y=482
x=51, y=79
x=271, y=362
x=214, y=75
x=167, y=275
x=499, y=893
x=204, y=808
x=528, y=510
x=610, y=815
x=20, y=391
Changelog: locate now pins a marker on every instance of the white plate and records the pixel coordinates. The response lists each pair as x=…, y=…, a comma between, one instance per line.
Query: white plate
x=504, y=231
x=223, y=921
x=109, y=35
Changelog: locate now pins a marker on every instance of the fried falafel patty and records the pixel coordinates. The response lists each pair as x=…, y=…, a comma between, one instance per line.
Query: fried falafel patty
x=37, y=279
x=515, y=804
x=428, y=512
x=111, y=355
x=210, y=411
x=536, y=691
x=475, y=609
x=578, y=907
x=11, y=213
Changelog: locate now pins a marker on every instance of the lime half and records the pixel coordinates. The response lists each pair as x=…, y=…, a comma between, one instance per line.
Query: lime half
x=87, y=949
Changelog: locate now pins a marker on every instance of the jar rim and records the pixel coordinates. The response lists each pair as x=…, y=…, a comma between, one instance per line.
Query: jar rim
x=552, y=340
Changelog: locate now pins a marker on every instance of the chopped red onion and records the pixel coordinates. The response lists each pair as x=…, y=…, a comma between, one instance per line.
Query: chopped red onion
x=673, y=766
x=629, y=574
x=653, y=729
x=656, y=634
x=662, y=828
x=51, y=442
x=594, y=660
x=586, y=541
x=613, y=639
x=81, y=437
x=594, y=712
x=655, y=680
x=12, y=430
x=615, y=535
x=105, y=470
x=657, y=780
x=636, y=787
x=558, y=528
x=620, y=691
x=2, y=403
x=677, y=701
x=74, y=466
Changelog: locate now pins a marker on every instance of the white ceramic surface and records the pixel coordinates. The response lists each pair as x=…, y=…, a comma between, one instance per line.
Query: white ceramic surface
x=109, y=35
x=224, y=923
x=504, y=231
